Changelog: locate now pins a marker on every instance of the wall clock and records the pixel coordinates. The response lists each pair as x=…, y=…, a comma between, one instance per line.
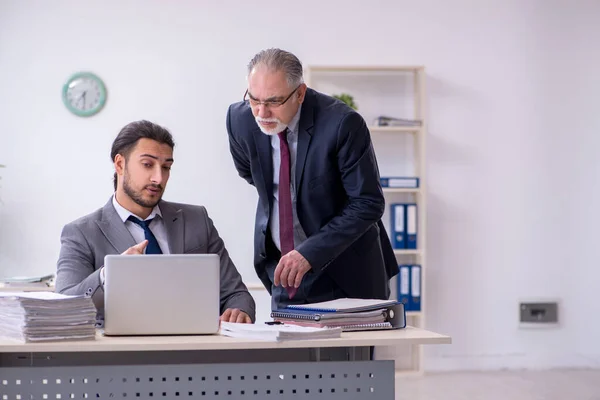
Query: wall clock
x=84, y=94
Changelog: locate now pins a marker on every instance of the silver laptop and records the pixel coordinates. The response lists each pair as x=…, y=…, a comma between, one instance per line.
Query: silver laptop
x=163, y=294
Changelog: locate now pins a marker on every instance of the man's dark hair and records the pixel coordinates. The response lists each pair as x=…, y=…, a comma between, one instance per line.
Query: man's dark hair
x=134, y=131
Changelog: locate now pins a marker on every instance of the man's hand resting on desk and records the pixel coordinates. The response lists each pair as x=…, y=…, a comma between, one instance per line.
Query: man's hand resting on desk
x=235, y=315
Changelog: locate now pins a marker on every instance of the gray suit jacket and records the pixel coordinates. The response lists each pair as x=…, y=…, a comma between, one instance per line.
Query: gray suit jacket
x=86, y=241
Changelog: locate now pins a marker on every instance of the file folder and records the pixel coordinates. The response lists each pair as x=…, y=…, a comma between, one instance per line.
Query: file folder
x=345, y=305
x=415, y=288
x=388, y=315
x=405, y=182
x=398, y=223
x=404, y=285
x=411, y=226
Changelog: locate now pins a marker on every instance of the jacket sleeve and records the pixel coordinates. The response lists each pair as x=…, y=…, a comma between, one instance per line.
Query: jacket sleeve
x=234, y=293
x=365, y=202
x=75, y=271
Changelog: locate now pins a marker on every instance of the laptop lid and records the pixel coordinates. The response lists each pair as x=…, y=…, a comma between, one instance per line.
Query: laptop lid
x=161, y=294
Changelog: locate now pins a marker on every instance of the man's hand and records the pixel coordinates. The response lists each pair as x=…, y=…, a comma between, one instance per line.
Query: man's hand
x=291, y=269
x=137, y=249
x=235, y=315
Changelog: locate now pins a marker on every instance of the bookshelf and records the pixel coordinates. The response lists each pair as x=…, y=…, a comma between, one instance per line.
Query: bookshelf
x=399, y=92
x=402, y=190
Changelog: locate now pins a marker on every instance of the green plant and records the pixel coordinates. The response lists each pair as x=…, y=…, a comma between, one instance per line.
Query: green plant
x=346, y=98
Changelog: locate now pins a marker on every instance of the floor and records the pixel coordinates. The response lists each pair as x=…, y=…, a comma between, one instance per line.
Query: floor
x=512, y=385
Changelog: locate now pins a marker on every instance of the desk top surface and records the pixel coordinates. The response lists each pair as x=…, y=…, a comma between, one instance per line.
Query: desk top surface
x=18, y=288
x=405, y=336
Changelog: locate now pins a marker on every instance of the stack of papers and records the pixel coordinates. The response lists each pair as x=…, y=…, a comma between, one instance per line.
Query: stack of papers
x=277, y=332
x=46, y=316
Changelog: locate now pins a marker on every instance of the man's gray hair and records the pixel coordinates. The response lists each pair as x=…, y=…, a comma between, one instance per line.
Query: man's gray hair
x=279, y=60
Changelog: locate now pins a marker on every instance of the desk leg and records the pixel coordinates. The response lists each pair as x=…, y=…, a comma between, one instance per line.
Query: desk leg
x=316, y=354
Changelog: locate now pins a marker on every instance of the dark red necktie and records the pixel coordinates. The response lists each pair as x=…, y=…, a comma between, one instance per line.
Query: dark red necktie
x=286, y=217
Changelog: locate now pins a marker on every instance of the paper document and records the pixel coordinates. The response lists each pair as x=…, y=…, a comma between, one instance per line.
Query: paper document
x=277, y=332
x=46, y=316
x=344, y=305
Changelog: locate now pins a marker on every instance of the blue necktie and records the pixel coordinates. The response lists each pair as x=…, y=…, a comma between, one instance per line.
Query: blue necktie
x=152, y=247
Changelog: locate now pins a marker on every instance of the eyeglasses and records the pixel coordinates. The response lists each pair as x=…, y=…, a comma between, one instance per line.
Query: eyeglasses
x=268, y=103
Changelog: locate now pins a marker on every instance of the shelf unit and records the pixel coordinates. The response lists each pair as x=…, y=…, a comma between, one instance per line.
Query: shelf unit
x=402, y=190
x=377, y=87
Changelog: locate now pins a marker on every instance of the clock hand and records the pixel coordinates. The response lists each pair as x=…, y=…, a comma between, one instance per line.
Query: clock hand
x=81, y=97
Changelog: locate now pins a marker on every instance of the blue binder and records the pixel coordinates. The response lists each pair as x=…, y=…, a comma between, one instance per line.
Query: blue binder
x=411, y=226
x=414, y=304
x=398, y=225
x=404, y=285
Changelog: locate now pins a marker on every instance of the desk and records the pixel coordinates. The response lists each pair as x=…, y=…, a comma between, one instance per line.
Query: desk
x=203, y=367
x=20, y=288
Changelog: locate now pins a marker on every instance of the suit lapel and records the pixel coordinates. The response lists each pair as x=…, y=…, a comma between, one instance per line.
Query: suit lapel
x=265, y=158
x=114, y=229
x=173, y=220
x=304, y=136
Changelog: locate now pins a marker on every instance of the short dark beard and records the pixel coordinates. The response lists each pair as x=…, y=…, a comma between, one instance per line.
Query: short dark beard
x=137, y=196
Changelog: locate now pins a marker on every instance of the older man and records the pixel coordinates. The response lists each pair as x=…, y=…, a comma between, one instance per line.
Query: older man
x=318, y=230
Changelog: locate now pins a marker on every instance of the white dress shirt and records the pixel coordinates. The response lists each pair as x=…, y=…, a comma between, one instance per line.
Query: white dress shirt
x=157, y=226
x=292, y=139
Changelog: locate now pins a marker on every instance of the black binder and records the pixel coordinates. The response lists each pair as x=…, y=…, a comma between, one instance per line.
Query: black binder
x=391, y=316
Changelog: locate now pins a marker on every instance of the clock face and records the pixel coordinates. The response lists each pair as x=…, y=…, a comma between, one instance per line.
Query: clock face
x=84, y=94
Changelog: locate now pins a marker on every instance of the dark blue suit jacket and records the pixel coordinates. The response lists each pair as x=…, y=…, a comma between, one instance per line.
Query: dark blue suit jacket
x=339, y=197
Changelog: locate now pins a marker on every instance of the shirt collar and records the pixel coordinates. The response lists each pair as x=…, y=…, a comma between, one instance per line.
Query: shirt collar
x=293, y=125
x=125, y=213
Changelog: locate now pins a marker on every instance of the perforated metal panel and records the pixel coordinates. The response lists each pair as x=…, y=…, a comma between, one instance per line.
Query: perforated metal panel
x=298, y=380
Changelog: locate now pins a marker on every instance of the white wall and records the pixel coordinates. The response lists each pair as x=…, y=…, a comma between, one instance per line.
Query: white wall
x=513, y=135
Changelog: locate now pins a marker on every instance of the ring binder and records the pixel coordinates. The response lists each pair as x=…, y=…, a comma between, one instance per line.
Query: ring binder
x=386, y=315
x=367, y=327
x=343, y=305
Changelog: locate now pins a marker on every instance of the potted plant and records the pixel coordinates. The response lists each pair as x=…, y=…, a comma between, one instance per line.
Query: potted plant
x=346, y=98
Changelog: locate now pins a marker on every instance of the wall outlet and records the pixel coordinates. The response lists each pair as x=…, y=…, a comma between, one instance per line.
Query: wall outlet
x=538, y=313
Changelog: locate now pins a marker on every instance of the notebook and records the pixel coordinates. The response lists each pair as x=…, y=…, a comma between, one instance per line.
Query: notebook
x=344, y=305
x=348, y=314
x=344, y=326
x=374, y=315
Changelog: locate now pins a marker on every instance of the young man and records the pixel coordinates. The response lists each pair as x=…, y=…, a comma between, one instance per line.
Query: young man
x=137, y=221
x=318, y=230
